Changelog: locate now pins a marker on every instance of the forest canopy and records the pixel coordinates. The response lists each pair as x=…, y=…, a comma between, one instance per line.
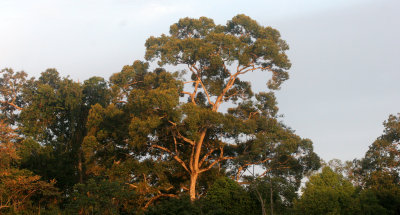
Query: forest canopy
x=152, y=141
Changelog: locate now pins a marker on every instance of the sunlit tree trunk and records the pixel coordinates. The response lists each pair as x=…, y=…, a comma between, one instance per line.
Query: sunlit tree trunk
x=192, y=189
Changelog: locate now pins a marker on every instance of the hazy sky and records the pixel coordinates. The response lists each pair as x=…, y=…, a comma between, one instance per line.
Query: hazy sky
x=343, y=84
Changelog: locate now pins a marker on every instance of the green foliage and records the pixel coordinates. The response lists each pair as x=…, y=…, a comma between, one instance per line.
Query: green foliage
x=175, y=206
x=378, y=172
x=212, y=48
x=327, y=193
x=103, y=197
x=227, y=197
x=386, y=189
x=95, y=91
x=384, y=153
x=12, y=85
x=370, y=204
x=55, y=119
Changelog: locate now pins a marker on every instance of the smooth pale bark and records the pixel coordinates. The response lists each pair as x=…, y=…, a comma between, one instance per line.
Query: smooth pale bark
x=192, y=188
x=195, y=168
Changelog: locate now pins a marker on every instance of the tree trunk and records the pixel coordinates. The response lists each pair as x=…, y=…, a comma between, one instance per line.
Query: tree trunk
x=264, y=212
x=80, y=169
x=195, y=168
x=271, y=200
x=192, y=188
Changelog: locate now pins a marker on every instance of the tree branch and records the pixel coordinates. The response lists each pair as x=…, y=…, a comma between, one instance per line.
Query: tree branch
x=157, y=197
x=191, y=142
x=226, y=70
x=173, y=155
x=221, y=158
x=187, y=82
x=269, y=170
x=12, y=104
x=206, y=156
x=240, y=169
x=252, y=114
x=200, y=81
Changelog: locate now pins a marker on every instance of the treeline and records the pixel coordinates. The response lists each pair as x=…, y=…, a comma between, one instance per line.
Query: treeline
x=197, y=141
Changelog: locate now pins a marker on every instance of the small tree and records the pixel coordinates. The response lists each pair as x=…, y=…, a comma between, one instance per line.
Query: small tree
x=327, y=193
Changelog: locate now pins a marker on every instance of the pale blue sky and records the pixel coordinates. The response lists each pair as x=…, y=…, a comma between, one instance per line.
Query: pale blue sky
x=344, y=80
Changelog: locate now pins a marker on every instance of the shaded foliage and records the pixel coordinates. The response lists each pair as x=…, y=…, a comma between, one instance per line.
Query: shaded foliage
x=181, y=206
x=103, y=197
x=227, y=197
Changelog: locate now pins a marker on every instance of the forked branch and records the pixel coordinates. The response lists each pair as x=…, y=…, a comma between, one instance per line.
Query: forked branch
x=180, y=161
x=221, y=158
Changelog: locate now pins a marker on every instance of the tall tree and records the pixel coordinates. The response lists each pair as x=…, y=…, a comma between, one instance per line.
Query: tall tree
x=378, y=173
x=216, y=56
x=384, y=153
x=55, y=117
x=114, y=146
x=52, y=118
